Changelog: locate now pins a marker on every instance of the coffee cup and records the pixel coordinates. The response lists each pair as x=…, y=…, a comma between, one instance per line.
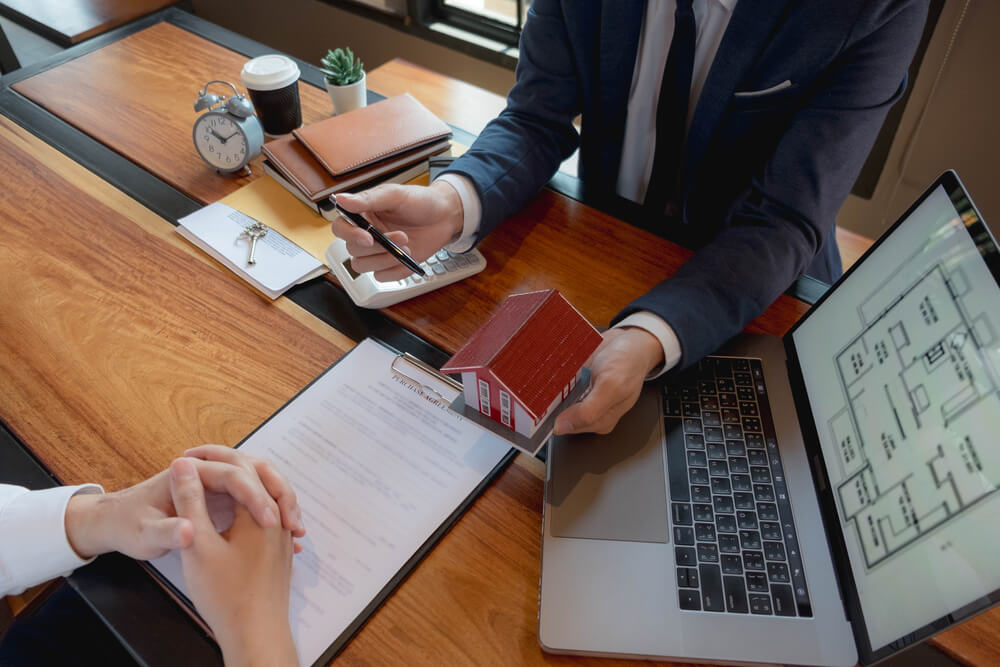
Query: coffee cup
x=273, y=84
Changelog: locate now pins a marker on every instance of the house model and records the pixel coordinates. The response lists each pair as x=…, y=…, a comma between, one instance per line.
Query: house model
x=525, y=361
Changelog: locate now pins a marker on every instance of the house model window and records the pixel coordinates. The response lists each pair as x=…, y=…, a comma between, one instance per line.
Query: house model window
x=519, y=366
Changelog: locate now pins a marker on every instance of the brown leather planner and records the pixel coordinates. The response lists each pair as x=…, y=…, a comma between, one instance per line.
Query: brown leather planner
x=294, y=161
x=372, y=133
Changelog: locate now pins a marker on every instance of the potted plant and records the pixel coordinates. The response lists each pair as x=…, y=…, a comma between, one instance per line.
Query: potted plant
x=345, y=80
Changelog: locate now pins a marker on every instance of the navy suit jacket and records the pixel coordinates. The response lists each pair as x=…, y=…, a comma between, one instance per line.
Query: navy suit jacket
x=763, y=175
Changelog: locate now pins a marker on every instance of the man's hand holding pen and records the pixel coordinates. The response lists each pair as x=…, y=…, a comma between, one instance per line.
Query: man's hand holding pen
x=420, y=220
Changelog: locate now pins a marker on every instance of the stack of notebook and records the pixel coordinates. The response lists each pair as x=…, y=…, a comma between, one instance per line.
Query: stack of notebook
x=391, y=140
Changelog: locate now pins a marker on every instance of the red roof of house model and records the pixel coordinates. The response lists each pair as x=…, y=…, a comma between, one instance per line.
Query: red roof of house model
x=534, y=345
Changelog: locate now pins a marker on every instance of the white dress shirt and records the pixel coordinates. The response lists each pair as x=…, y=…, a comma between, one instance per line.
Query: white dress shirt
x=711, y=20
x=33, y=543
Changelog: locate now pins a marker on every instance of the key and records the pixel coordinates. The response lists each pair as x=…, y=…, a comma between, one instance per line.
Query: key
x=255, y=231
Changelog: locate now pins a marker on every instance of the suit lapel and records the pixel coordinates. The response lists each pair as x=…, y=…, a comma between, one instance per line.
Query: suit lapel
x=750, y=27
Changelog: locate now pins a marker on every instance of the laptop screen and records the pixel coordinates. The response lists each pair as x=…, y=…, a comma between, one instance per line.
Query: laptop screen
x=901, y=366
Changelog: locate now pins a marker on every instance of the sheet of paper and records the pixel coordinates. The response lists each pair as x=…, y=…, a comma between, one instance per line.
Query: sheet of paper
x=378, y=466
x=218, y=229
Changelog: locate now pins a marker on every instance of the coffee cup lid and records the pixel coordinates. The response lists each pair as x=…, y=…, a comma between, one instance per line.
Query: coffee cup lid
x=269, y=72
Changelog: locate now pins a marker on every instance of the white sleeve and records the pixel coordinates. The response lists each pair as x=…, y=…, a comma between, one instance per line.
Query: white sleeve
x=33, y=543
x=472, y=211
x=663, y=332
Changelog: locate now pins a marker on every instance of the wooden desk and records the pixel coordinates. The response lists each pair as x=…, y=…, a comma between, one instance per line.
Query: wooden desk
x=69, y=22
x=474, y=598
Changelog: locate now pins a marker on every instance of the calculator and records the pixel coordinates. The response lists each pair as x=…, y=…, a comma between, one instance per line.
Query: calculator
x=442, y=268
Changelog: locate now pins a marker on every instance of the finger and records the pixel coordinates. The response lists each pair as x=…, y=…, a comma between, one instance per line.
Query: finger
x=297, y=547
x=385, y=197
x=221, y=454
x=164, y=535
x=397, y=272
x=380, y=264
x=603, y=399
x=279, y=489
x=353, y=236
x=244, y=486
x=189, y=497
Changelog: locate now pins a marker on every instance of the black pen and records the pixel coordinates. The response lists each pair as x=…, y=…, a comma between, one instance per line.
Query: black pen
x=380, y=238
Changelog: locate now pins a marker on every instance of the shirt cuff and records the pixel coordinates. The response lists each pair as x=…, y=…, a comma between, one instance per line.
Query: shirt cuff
x=36, y=548
x=472, y=211
x=663, y=332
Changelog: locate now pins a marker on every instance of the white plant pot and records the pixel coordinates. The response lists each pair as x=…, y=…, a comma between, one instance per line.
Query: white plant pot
x=348, y=98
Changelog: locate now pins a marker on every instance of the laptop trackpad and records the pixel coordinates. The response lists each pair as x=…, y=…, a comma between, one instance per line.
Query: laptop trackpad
x=611, y=487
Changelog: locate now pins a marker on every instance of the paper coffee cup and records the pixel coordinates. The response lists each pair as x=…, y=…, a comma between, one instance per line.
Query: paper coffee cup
x=273, y=84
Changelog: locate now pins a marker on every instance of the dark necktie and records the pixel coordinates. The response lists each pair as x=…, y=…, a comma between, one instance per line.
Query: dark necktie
x=671, y=113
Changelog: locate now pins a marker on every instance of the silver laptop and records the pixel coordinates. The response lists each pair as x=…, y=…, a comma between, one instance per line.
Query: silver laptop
x=821, y=499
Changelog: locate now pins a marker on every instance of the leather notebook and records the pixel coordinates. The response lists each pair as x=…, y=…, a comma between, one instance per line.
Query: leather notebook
x=372, y=133
x=294, y=161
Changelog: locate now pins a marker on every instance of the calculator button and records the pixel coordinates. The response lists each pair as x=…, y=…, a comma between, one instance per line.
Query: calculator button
x=462, y=261
x=450, y=265
x=443, y=255
x=431, y=260
x=438, y=269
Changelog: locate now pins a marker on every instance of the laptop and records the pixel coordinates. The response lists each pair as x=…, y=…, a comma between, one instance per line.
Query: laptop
x=824, y=498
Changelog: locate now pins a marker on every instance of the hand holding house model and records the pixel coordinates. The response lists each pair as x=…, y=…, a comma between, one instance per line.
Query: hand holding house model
x=524, y=366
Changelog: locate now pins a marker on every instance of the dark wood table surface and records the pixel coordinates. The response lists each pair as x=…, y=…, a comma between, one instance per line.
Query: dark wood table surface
x=69, y=22
x=123, y=343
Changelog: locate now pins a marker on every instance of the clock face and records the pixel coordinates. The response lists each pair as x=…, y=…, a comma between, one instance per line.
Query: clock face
x=220, y=141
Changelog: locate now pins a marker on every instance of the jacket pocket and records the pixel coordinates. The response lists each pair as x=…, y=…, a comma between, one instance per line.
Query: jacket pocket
x=766, y=98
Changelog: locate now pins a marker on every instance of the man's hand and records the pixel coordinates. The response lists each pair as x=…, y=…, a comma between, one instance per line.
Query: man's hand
x=142, y=522
x=238, y=580
x=618, y=367
x=420, y=220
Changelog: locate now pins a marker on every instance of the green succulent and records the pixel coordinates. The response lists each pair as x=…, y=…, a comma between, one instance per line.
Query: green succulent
x=341, y=67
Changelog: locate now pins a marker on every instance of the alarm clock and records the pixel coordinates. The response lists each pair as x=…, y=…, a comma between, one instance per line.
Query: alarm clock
x=228, y=135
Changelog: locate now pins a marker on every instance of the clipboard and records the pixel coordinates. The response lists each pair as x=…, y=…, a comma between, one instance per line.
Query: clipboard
x=416, y=376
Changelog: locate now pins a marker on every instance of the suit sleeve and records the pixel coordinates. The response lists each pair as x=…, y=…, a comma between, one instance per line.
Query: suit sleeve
x=520, y=150
x=778, y=225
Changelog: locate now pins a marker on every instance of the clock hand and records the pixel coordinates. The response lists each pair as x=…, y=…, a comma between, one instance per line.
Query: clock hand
x=218, y=136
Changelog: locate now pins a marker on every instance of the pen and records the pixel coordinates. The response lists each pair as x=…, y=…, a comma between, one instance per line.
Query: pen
x=381, y=239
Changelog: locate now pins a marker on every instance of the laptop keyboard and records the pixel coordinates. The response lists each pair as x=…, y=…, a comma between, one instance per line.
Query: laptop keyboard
x=734, y=539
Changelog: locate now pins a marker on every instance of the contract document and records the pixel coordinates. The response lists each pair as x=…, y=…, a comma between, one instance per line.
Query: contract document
x=381, y=468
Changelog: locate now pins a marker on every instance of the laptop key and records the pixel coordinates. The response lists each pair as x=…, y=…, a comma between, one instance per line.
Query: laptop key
x=714, y=434
x=718, y=468
x=763, y=492
x=711, y=418
x=685, y=556
x=711, y=587
x=744, y=501
x=750, y=539
x=738, y=464
x=709, y=403
x=729, y=544
x=689, y=600
x=774, y=551
x=705, y=532
x=753, y=560
x=694, y=441
x=760, y=475
x=683, y=535
x=758, y=457
x=721, y=486
x=770, y=530
x=778, y=572
x=784, y=601
x=757, y=582
x=716, y=450
x=735, y=448
x=767, y=511
x=723, y=504
x=755, y=440
x=703, y=512
x=741, y=483
x=676, y=460
x=751, y=424
x=728, y=386
x=732, y=431
x=698, y=475
x=708, y=553
x=691, y=409
x=681, y=513
x=760, y=604
x=732, y=565
x=692, y=425
x=696, y=458
x=745, y=393
x=748, y=408
x=736, y=595
x=701, y=494
x=731, y=416
x=742, y=378
x=725, y=523
x=687, y=577
x=746, y=520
